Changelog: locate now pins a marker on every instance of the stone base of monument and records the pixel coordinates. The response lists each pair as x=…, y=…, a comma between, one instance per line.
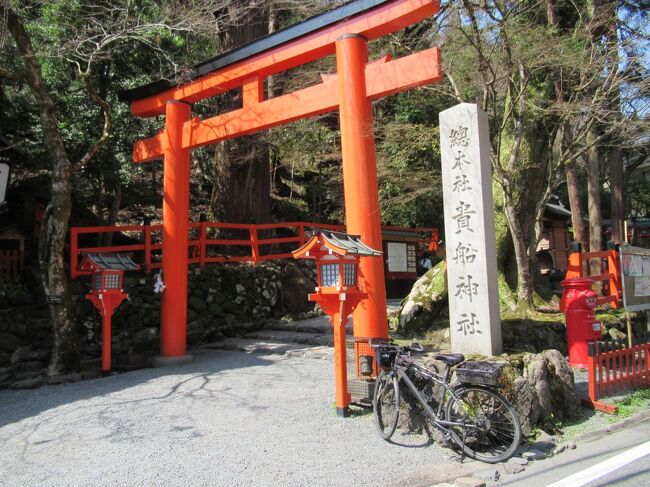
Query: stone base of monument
x=539, y=385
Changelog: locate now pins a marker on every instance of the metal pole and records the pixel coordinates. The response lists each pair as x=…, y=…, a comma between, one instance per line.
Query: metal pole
x=362, y=213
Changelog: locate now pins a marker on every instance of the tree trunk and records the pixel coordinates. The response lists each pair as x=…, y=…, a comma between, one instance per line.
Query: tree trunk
x=577, y=222
x=617, y=184
x=524, y=188
x=65, y=352
x=241, y=181
x=593, y=201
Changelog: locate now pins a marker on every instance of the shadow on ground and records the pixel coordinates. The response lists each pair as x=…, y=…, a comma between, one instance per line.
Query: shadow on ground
x=185, y=380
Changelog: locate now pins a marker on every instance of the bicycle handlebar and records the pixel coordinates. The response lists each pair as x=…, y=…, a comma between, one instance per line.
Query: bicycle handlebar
x=415, y=347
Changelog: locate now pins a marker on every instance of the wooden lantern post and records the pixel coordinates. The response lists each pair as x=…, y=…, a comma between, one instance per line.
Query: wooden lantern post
x=107, y=292
x=337, y=256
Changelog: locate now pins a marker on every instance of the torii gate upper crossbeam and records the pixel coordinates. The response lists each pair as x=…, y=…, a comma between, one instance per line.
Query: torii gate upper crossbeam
x=382, y=79
x=387, y=17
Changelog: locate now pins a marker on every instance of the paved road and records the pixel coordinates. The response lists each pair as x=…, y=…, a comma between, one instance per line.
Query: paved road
x=228, y=418
x=592, y=459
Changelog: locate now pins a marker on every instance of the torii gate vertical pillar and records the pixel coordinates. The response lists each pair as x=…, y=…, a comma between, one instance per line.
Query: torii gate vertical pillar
x=176, y=203
x=362, y=215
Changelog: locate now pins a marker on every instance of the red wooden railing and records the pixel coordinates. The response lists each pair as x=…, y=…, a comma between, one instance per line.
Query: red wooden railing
x=211, y=242
x=613, y=367
x=610, y=273
x=11, y=263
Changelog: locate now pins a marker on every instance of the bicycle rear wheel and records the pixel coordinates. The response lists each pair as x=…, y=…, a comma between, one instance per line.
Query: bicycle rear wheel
x=385, y=403
x=491, y=432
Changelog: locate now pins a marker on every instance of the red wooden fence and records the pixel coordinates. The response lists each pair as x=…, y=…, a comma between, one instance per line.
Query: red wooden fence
x=11, y=263
x=211, y=242
x=610, y=273
x=613, y=367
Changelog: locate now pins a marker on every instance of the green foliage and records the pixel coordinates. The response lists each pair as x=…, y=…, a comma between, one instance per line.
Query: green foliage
x=637, y=401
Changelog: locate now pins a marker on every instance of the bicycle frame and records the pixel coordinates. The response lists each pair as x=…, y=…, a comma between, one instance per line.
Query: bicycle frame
x=400, y=370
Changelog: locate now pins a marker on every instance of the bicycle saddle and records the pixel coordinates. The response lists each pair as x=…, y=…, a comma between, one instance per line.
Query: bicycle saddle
x=450, y=358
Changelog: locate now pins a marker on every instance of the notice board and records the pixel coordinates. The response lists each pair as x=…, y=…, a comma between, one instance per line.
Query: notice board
x=635, y=272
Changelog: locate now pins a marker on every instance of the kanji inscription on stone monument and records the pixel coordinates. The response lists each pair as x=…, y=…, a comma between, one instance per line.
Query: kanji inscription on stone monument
x=469, y=231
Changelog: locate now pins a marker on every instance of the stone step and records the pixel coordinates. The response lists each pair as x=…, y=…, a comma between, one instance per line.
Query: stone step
x=301, y=337
x=262, y=347
x=319, y=324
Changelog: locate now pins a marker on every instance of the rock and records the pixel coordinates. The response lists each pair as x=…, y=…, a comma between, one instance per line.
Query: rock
x=544, y=442
x=567, y=446
x=545, y=446
x=5, y=358
x=295, y=286
x=191, y=315
x=526, y=404
x=410, y=309
x=197, y=304
x=9, y=342
x=145, y=339
x=240, y=289
x=31, y=383
x=469, y=482
x=194, y=336
x=543, y=436
x=65, y=378
x=534, y=455
x=489, y=475
x=215, y=309
x=27, y=353
x=512, y=468
x=559, y=449
x=32, y=365
x=518, y=461
x=551, y=376
x=425, y=302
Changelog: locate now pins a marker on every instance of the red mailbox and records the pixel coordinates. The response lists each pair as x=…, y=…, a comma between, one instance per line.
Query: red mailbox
x=578, y=303
x=107, y=292
x=337, y=257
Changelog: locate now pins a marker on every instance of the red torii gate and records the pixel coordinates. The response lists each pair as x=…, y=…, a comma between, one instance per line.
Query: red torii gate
x=345, y=32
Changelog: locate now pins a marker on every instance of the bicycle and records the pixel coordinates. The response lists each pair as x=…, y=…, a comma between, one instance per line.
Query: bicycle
x=471, y=413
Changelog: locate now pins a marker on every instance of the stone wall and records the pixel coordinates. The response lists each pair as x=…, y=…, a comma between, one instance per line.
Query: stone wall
x=25, y=334
x=223, y=301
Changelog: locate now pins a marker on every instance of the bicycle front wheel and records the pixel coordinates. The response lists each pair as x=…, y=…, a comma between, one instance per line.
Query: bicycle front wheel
x=385, y=403
x=488, y=428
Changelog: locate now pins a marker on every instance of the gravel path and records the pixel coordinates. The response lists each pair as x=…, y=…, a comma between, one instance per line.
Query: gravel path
x=228, y=418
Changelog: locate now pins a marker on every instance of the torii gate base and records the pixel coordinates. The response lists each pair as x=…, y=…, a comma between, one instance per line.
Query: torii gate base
x=344, y=31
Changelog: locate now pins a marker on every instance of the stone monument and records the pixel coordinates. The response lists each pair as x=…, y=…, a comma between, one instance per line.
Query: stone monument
x=469, y=231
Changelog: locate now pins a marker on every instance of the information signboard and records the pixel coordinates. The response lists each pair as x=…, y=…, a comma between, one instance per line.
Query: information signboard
x=397, y=260
x=4, y=181
x=635, y=273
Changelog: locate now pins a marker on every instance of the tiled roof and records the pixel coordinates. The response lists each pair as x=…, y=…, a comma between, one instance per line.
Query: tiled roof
x=115, y=262
x=352, y=244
